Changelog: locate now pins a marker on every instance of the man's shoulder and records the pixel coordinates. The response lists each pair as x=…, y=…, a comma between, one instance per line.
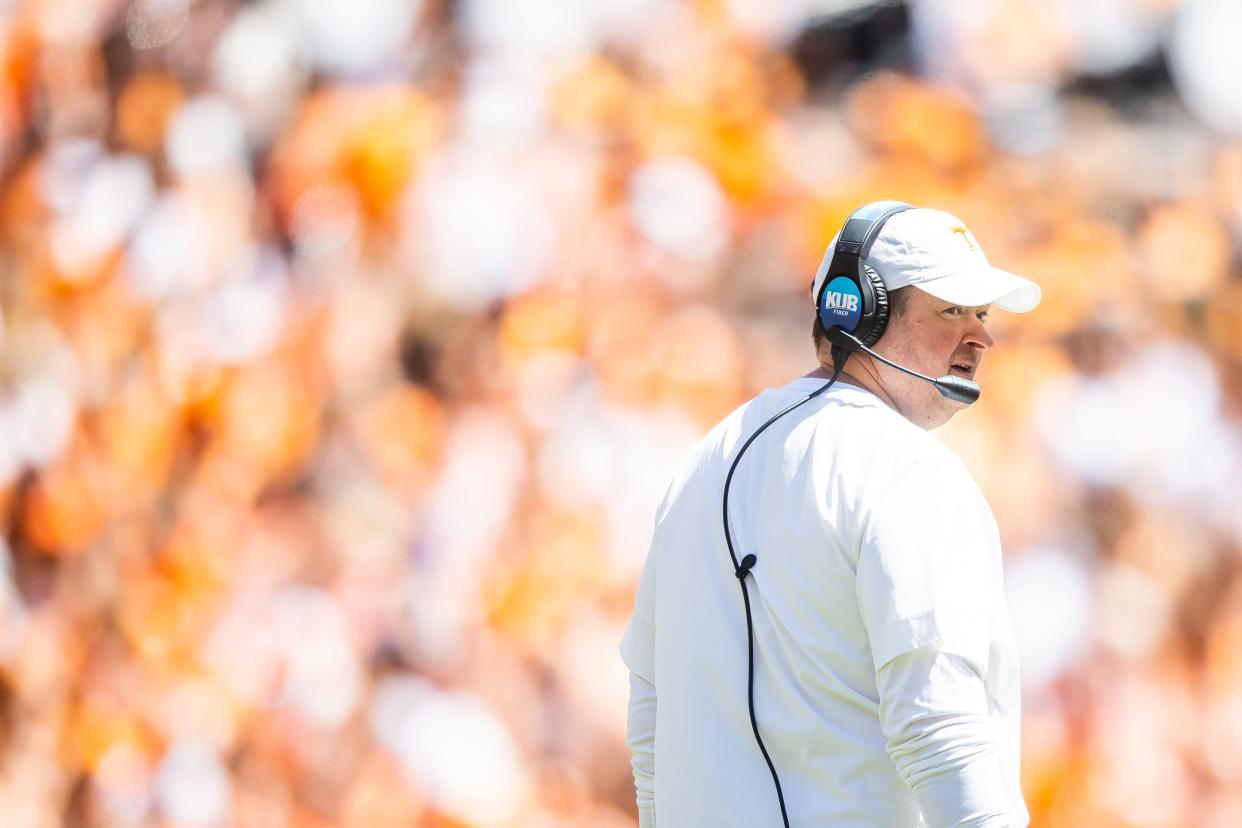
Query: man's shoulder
x=702, y=462
x=895, y=448
x=708, y=458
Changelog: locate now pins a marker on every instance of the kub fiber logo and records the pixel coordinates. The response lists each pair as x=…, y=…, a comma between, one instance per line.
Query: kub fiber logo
x=842, y=304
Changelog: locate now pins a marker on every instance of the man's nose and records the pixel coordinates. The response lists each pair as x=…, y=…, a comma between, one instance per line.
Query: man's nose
x=977, y=335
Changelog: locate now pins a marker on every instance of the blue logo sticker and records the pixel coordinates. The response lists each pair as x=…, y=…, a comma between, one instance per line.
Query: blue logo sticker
x=841, y=305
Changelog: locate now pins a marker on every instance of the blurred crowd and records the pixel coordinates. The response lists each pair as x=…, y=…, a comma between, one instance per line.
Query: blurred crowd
x=346, y=349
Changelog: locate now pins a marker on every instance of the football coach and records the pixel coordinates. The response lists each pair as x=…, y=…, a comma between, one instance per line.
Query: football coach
x=820, y=635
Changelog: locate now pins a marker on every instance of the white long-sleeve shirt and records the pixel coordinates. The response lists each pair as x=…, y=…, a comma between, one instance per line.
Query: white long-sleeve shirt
x=933, y=708
x=885, y=676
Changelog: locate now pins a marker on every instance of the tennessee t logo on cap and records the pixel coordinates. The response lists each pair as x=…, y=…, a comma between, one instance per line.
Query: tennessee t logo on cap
x=966, y=236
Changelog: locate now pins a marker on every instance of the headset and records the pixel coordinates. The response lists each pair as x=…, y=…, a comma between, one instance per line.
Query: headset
x=852, y=306
x=853, y=298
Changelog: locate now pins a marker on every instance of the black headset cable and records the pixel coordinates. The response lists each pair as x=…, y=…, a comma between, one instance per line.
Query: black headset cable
x=742, y=569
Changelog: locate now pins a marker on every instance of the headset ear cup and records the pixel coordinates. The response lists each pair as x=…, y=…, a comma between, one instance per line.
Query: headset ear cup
x=879, y=314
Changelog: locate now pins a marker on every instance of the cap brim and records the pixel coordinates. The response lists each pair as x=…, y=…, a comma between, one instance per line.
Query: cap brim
x=985, y=286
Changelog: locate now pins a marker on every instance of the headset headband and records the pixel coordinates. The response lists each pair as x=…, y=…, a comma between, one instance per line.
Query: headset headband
x=864, y=226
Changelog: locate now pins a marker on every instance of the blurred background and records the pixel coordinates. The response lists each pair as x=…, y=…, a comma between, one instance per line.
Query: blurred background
x=346, y=349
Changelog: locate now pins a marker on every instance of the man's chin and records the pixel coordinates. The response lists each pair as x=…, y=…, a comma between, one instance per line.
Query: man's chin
x=942, y=411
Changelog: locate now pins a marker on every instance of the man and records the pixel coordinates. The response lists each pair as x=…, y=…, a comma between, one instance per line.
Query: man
x=885, y=683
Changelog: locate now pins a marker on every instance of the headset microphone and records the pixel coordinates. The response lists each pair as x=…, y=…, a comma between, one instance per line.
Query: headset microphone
x=955, y=388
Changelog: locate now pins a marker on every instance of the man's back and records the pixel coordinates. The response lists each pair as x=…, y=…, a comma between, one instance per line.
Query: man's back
x=857, y=563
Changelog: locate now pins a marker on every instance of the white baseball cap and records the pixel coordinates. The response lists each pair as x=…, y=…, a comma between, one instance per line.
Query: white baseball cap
x=933, y=251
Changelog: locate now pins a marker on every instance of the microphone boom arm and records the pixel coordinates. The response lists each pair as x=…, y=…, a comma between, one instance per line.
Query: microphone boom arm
x=955, y=388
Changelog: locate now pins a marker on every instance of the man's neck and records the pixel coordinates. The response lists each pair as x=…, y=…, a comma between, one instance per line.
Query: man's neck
x=859, y=374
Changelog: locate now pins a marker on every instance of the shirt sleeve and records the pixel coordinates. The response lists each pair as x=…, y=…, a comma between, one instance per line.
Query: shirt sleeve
x=934, y=714
x=928, y=560
x=640, y=737
x=638, y=643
